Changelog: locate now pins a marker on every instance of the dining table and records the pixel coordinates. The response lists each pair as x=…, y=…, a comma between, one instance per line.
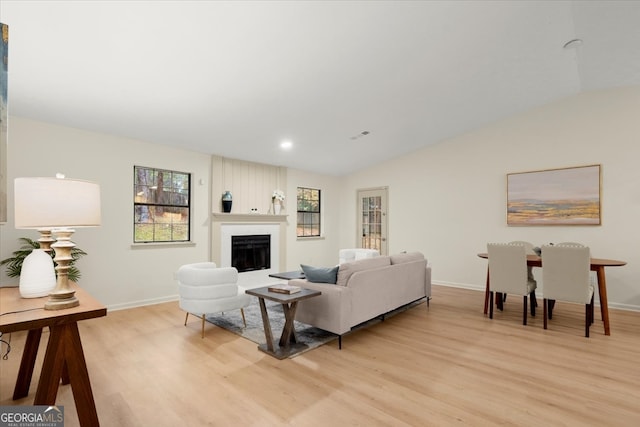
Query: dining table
x=597, y=264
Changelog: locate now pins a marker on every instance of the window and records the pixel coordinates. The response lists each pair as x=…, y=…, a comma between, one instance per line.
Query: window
x=308, y=212
x=161, y=205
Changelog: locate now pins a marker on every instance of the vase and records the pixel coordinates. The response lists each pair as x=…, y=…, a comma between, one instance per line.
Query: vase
x=37, y=277
x=276, y=208
x=227, y=200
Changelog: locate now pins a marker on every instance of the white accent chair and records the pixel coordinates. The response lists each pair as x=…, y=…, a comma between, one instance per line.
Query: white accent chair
x=565, y=274
x=205, y=289
x=349, y=255
x=508, y=274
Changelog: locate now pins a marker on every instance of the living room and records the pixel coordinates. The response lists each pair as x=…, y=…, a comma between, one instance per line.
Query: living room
x=446, y=200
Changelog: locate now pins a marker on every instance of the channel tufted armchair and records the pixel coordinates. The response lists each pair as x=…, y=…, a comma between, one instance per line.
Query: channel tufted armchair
x=205, y=289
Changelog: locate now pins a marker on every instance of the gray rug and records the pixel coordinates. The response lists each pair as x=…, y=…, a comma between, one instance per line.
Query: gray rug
x=305, y=334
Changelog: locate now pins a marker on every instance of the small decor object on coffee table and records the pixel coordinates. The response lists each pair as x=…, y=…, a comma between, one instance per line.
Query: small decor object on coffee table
x=284, y=288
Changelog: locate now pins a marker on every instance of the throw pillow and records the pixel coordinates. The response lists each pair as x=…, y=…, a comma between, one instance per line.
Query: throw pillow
x=320, y=274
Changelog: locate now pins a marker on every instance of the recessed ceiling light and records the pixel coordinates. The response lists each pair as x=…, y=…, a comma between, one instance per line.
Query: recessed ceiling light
x=286, y=145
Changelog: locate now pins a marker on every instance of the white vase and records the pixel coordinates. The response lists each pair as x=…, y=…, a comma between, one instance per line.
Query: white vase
x=276, y=208
x=37, y=276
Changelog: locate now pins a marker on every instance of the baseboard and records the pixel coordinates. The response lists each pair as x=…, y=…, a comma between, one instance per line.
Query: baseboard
x=481, y=288
x=142, y=303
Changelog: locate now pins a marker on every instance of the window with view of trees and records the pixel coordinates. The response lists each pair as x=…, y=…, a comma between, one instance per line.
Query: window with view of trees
x=308, y=212
x=161, y=205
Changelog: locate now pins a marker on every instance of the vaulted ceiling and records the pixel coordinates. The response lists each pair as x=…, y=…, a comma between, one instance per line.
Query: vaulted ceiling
x=238, y=78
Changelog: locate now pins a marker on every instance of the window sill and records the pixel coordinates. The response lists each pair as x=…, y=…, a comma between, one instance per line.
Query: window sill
x=302, y=238
x=157, y=245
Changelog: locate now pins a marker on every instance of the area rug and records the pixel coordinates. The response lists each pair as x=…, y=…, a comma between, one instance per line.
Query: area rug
x=305, y=334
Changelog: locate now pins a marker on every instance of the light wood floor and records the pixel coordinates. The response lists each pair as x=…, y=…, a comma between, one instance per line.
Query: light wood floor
x=443, y=365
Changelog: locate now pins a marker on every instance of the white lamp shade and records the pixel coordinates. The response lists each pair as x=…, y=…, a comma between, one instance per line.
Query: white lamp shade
x=37, y=277
x=56, y=203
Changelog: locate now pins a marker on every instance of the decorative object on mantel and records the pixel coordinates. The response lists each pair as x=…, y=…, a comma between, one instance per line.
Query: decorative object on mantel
x=276, y=199
x=254, y=210
x=227, y=200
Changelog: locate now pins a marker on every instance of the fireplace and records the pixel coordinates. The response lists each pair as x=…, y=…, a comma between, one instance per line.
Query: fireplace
x=251, y=252
x=227, y=226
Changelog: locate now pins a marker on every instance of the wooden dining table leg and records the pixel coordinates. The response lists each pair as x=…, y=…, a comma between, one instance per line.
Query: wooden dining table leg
x=604, y=304
x=486, y=294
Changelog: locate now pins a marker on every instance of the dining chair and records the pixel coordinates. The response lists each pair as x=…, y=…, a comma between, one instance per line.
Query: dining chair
x=565, y=275
x=508, y=274
x=528, y=247
x=552, y=303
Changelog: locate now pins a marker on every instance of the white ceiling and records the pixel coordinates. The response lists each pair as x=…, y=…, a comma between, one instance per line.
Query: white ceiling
x=236, y=78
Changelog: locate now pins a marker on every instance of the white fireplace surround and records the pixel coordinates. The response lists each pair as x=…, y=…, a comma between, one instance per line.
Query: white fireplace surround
x=227, y=231
x=226, y=225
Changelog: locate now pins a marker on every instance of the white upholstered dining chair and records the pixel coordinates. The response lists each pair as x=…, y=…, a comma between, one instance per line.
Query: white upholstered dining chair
x=565, y=274
x=528, y=248
x=205, y=289
x=508, y=274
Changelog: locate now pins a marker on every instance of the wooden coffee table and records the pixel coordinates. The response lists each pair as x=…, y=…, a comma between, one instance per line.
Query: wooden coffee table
x=288, y=344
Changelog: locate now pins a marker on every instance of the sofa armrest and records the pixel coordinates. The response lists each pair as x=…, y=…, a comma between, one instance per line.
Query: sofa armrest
x=329, y=311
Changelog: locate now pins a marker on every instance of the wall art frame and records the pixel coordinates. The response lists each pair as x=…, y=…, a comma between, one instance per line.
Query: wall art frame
x=564, y=196
x=4, y=58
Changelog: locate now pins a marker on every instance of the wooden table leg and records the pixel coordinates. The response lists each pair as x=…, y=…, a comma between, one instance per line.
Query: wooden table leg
x=288, y=332
x=64, y=353
x=604, y=304
x=28, y=362
x=486, y=294
x=267, y=325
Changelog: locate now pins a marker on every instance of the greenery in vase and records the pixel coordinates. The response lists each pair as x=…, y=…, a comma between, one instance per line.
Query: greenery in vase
x=14, y=263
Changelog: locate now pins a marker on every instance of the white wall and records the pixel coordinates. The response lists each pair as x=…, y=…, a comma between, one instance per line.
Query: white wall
x=320, y=252
x=448, y=200
x=113, y=272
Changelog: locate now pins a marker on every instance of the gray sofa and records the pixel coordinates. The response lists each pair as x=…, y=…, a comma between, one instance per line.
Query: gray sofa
x=365, y=289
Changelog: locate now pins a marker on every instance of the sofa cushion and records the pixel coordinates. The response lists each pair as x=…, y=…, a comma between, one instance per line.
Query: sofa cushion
x=406, y=257
x=320, y=274
x=348, y=268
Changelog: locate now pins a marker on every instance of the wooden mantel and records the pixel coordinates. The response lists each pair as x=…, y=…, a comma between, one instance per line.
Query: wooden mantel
x=247, y=218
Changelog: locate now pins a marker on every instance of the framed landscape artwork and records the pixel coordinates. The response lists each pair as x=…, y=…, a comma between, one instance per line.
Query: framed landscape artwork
x=3, y=121
x=568, y=196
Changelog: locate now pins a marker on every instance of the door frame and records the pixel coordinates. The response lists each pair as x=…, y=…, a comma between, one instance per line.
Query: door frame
x=384, y=190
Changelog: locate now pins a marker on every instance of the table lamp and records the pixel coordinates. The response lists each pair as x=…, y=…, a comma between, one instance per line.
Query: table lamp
x=57, y=204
